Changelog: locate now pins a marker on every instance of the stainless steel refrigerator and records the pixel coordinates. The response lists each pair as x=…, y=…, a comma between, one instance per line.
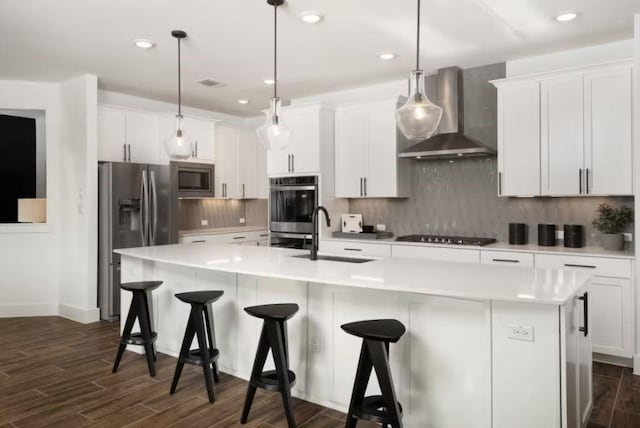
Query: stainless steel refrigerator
x=134, y=211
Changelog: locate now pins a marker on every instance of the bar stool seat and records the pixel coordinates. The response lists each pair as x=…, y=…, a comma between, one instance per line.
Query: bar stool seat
x=200, y=324
x=384, y=408
x=139, y=309
x=273, y=337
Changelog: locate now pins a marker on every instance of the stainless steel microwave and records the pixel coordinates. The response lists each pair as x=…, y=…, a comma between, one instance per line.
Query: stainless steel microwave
x=193, y=180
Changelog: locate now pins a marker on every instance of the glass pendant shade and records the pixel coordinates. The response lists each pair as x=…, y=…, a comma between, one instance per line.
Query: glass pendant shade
x=177, y=146
x=274, y=134
x=418, y=118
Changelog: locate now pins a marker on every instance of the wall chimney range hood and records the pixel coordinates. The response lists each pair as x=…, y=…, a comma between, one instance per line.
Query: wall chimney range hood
x=451, y=141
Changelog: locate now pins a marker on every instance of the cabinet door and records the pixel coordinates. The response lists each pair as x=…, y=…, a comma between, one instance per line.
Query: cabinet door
x=611, y=319
x=201, y=134
x=608, y=140
x=463, y=255
x=111, y=135
x=519, y=139
x=305, y=138
x=142, y=131
x=262, y=176
x=562, y=128
x=247, y=164
x=226, y=171
x=381, y=178
x=350, y=151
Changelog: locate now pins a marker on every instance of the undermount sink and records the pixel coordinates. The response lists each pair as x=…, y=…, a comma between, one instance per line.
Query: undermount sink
x=335, y=258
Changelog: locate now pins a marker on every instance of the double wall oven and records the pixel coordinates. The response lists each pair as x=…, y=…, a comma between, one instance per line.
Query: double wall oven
x=292, y=201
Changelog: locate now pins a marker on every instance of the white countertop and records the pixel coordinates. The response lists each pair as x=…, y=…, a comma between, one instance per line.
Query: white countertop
x=222, y=230
x=504, y=246
x=460, y=280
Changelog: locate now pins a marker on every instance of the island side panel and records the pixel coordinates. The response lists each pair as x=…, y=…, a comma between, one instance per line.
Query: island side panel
x=526, y=374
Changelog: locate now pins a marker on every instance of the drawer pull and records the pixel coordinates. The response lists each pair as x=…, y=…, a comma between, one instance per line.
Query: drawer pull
x=266, y=234
x=585, y=302
x=239, y=237
x=506, y=260
x=580, y=266
x=352, y=249
x=199, y=240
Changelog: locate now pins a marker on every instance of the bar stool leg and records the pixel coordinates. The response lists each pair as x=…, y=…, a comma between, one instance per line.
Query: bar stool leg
x=211, y=334
x=145, y=331
x=363, y=373
x=189, y=332
x=204, y=350
x=258, y=364
x=274, y=330
x=128, y=326
x=148, y=296
x=380, y=358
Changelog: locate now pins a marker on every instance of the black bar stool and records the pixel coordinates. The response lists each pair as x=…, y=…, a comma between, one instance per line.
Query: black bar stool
x=206, y=355
x=274, y=337
x=383, y=409
x=139, y=309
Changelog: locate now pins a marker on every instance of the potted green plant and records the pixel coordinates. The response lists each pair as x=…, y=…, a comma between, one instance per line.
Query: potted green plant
x=611, y=223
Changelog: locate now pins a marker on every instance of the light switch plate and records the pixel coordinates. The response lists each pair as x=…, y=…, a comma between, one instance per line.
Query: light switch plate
x=560, y=234
x=204, y=222
x=242, y=220
x=381, y=227
x=521, y=332
x=628, y=237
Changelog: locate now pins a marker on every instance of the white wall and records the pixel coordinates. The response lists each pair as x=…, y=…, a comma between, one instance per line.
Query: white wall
x=636, y=186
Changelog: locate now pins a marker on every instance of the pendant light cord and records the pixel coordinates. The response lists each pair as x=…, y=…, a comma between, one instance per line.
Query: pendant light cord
x=179, y=83
x=275, y=51
x=418, y=40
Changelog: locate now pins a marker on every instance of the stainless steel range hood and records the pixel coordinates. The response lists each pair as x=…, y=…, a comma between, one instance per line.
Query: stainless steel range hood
x=451, y=141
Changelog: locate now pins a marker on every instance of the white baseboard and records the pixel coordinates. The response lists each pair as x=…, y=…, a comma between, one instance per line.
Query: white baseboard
x=614, y=360
x=81, y=315
x=636, y=364
x=28, y=310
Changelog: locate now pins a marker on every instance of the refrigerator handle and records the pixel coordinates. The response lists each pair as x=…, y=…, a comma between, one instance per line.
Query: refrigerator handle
x=144, y=209
x=153, y=228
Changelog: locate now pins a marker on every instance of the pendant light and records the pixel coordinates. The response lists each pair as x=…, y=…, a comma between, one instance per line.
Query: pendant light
x=176, y=145
x=273, y=134
x=418, y=118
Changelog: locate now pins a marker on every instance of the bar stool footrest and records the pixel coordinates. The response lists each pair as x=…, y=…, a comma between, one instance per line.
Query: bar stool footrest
x=194, y=357
x=373, y=409
x=137, y=339
x=269, y=380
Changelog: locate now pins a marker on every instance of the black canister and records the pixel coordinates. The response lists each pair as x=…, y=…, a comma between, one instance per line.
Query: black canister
x=517, y=233
x=573, y=236
x=547, y=235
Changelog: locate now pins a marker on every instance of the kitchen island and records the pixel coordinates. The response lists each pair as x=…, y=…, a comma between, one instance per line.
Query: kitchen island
x=486, y=346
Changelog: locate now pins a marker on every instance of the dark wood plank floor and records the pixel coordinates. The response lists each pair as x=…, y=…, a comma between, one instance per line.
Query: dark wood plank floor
x=57, y=373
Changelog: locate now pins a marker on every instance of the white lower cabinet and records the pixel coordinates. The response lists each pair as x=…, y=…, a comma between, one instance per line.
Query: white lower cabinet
x=355, y=248
x=244, y=238
x=463, y=255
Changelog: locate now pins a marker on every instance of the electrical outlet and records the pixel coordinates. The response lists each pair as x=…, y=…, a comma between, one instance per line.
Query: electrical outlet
x=560, y=234
x=628, y=237
x=521, y=332
x=381, y=227
x=204, y=222
x=316, y=346
x=242, y=220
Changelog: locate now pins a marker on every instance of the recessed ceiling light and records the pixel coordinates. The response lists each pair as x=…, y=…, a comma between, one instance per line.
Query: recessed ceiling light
x=387, y=56
x=566, y=16
x=144, y=43
x=311, y=17
x=269, y=81
x=243, y=101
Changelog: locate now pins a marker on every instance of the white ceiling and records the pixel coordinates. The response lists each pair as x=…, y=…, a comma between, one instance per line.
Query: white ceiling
x=231, y=41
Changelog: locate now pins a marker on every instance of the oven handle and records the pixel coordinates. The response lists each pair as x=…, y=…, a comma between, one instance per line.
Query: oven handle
x=294, y=188
x=290, y=235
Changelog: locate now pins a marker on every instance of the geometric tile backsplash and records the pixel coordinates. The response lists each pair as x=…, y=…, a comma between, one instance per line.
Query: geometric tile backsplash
x=461, y=198
x=221, y=213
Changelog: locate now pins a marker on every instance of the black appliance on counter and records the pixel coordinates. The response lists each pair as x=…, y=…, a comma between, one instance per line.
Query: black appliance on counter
x=291, y=204
x=547, y=235
x=517, y=233
x=445, y=239
x=573, y=236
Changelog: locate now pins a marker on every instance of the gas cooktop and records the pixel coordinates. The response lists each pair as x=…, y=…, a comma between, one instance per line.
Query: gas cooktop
x=448, y=240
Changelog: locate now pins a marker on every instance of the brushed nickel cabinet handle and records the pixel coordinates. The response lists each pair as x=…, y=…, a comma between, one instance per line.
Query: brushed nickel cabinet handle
x=506, y=260
x=580, y=179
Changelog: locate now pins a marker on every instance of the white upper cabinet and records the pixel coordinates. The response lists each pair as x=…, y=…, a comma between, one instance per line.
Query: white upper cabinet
x=226, y=167
x=247, y=164
x=562, y=124
x=201, y=134
x=608, y=135
x=519, y=139
x=311, y=134
x=127, y=136
x=366, y=161
x=238, y=164
x=262, y=186
x=566, y=133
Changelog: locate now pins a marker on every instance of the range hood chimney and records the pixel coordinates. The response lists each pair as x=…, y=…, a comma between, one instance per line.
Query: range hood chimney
x=451, y=141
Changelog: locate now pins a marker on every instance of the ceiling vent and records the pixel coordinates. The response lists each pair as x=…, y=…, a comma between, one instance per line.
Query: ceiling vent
x=211, y=83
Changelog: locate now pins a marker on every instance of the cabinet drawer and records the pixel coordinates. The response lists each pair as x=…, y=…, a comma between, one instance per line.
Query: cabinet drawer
x=466, y=255
x=193, y=239
x=600, y=266
x=506, y=258
x=355, y=248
